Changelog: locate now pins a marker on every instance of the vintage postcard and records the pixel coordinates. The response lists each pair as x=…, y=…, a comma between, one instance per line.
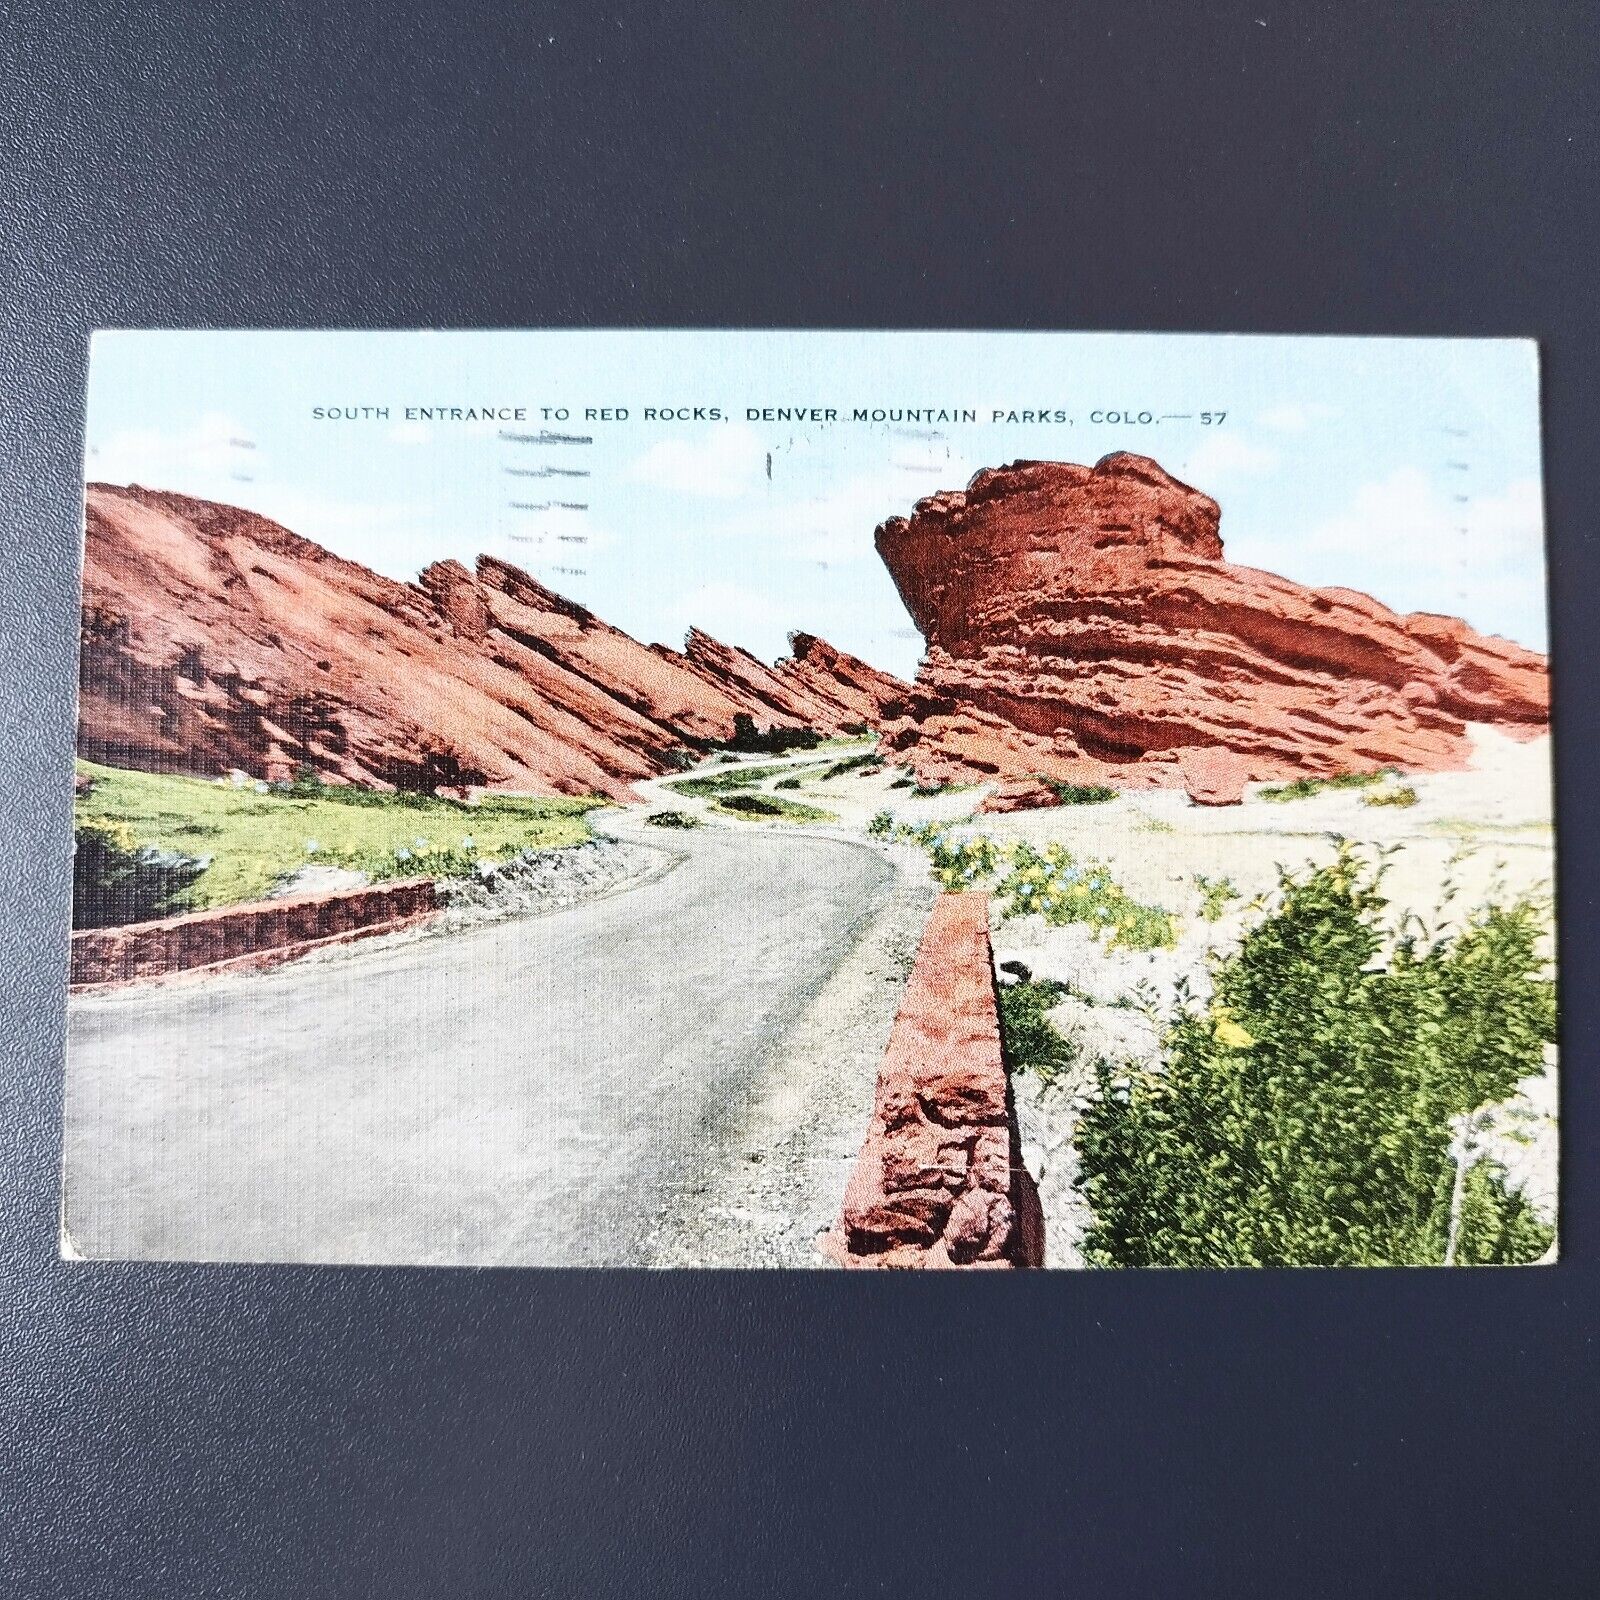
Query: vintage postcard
x=812, y=799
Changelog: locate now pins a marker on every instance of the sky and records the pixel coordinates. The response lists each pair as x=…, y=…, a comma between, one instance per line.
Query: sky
x=1408, y=468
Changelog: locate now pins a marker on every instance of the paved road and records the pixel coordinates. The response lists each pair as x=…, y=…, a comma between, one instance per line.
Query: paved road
x=531, y=1092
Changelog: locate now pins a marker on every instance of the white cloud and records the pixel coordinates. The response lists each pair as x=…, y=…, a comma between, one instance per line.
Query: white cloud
x=725, y=462
x=1221, y=457
x=211, y=450
x=732, y=613
x=1416, y=548
x=1296, y=416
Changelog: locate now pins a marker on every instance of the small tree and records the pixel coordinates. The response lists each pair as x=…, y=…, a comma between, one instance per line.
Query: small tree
x=1303, y=1118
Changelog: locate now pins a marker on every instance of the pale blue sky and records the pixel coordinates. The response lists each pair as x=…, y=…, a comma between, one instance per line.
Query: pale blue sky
x=1405, y=467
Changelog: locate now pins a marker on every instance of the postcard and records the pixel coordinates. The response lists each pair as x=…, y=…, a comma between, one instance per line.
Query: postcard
x=812, y=800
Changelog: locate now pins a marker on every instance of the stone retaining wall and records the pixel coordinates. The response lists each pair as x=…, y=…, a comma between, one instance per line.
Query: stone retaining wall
x=261, y=931
x=940, y=1181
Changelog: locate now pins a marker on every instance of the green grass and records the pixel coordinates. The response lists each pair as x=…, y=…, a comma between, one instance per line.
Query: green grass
x=1304, y=788
x=707, y=786
x=1078, y=794
x=253, y=839
x=867, y=761
x=769, y=807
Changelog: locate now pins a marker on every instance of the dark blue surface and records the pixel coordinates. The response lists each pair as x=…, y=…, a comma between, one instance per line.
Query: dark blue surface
x=307, y=1432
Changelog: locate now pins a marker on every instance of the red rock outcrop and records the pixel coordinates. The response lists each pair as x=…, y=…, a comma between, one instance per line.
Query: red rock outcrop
x=213, y=638
x=255, y=934
x=939, y=1181
x=1083, y=623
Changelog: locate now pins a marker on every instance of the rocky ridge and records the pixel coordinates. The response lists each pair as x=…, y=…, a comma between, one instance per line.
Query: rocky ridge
x=214, y=638
x=1083, y=623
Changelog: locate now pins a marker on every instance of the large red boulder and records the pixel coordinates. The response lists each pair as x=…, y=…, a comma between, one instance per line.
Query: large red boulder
x=1082, y=622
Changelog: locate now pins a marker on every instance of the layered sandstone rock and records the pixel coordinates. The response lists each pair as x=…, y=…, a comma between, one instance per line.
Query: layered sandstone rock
x=216, y=639
x=1082, y=623
x=939, y=1181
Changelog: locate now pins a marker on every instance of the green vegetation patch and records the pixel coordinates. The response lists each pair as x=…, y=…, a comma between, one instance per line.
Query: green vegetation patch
x=1400, y=794
x=1304, y=1114
x=768, y=806
x=256, y=835
x=1304, y=788
x=1062, y=889
x=1216, y=895
x=1052, y=883
x=1031, y=1042
x=707, y=786
x=866, y=761
x=1078, y=794
x=673, y=819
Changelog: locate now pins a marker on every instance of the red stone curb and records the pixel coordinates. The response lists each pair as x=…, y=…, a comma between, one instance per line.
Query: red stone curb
x=939, y=1181
x=255, y=934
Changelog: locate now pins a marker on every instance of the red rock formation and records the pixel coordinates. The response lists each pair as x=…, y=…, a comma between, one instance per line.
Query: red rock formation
x=939, y=1182
x=214, y=638
x=1083, y=623
x=256, y=934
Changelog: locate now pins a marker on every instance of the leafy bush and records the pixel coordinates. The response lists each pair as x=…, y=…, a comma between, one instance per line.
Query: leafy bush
x=1303, y=1117
x=1052, y=883
x=673, y=819
x=1030, y=1040
x=1216, y=895
x=116, y=880
x=787, y=783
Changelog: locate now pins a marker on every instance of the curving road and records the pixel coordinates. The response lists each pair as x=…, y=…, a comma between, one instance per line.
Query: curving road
x=534, y=1092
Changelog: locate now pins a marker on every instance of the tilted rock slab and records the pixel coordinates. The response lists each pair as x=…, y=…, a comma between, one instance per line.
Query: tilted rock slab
x=939, y=1181
x=1082, y=622
x=214, y=638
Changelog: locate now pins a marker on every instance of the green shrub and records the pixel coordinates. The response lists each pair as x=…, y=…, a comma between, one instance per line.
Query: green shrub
x=673, y=819
x=1304, y=788
x=1078, y=794
x=867, y=761
x=1216, y=895
x=769, y=805
x=116, y=881
x=1030, y=1040
x=882, y=825
x=708, y=785
x=787, y=783
x=1303, y=1117
x=749, y=740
